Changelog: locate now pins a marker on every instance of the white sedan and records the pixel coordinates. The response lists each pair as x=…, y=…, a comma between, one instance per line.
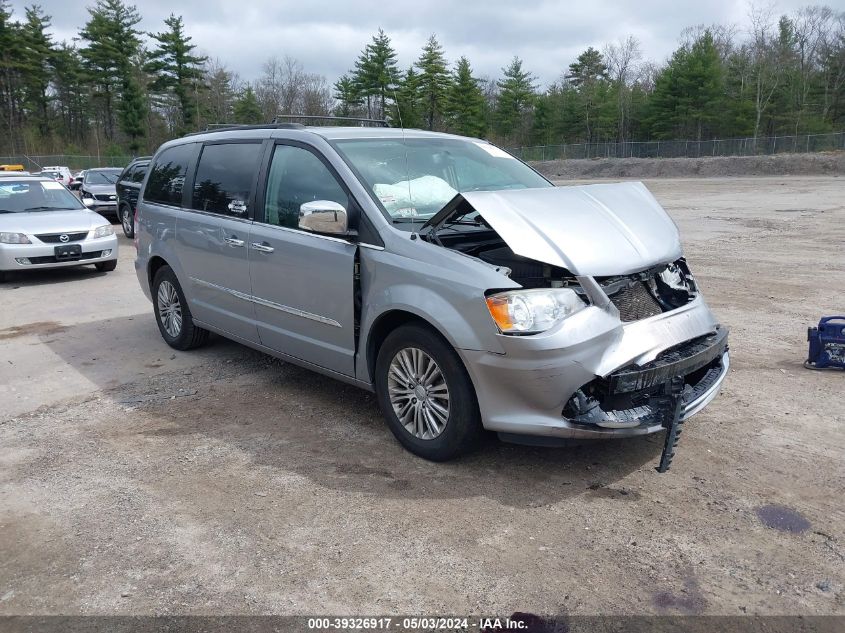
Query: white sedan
x=43, y=225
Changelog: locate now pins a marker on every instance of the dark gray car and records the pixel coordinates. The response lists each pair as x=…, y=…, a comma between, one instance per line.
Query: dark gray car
x=439, y=271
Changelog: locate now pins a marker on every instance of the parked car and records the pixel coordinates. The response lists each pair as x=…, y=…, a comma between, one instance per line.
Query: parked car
x=43, y=225
x=64, y=175
x=128, y=186
x=440, y=272
x=98, y=191
x=76, y=183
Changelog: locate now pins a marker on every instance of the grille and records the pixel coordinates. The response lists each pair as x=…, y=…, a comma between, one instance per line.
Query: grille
x=106, y=197
x=635, y=303
x=55, y=238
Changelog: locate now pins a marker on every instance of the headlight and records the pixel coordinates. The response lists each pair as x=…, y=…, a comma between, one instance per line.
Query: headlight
x=14, y=238
x=103, y=231
x=532, y=311
x=88, y=202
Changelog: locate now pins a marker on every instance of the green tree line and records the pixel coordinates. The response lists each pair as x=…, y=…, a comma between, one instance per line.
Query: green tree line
x=116, y=89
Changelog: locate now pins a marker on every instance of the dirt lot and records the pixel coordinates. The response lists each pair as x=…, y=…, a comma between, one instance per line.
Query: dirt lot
x=135, y=479
x=820, y=164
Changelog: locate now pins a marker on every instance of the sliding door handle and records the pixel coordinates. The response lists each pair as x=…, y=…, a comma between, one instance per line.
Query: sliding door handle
x=233, y=241
x=262, y=247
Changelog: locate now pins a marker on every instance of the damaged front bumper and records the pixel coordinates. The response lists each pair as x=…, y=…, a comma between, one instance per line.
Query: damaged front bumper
x=596, y=377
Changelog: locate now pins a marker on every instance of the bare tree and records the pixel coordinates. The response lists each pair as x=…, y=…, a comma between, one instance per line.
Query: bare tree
x=622, y=60
x=316, y=98
x=764, y=60
x=812, y=26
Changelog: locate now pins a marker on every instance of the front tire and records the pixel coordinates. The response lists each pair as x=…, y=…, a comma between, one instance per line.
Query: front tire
x=173, y=314
x=127, y=221
x=426, y=395
x=106, y=267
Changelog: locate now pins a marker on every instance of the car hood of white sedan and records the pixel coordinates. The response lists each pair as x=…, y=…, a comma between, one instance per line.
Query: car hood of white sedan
x=44, y=222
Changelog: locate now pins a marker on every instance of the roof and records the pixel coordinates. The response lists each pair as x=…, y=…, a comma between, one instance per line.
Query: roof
x=327, y=132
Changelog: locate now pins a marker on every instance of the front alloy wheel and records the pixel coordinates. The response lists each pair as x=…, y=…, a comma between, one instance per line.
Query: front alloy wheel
x=419, y=393
x=425, y=393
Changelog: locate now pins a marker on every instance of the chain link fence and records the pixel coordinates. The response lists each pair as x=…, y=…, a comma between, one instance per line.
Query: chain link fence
x=74, y=162
x=762, y=145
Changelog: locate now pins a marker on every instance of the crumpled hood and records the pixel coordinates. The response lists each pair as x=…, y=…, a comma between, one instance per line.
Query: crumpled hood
x=595, y=230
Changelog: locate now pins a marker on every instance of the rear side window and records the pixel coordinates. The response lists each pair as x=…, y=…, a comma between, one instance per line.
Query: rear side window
x=225, y=177
x=168, y=175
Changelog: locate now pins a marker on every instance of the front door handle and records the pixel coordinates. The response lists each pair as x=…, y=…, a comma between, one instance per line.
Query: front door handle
x=233, y=241
x=262, y=247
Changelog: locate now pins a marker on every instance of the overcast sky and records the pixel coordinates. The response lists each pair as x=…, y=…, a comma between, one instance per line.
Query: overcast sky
x=326, y=36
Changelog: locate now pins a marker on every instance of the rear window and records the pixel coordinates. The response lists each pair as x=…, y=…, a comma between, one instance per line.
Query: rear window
x=138, y=172
x=225, y=177
x=167, y=177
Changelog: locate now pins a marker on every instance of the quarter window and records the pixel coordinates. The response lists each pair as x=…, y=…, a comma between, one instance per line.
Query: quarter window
x=298, y=176
x=225, y=178
x=168, y=175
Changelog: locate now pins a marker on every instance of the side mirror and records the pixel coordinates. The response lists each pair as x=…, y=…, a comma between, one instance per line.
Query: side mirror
x=324, y=216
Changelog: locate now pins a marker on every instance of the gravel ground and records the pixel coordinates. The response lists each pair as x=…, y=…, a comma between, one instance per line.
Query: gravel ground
x=138, y=480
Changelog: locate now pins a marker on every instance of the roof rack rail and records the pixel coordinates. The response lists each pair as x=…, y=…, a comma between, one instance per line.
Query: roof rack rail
x=222, y=127
x=314, y=119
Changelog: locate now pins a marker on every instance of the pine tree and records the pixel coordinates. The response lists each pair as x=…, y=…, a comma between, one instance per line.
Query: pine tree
x=347, y=95
x=588, y=68
x=688, y=93
x=408, y=110
x=37, y=56
x=516, y=99
x=375, y=76
x=247, y=109
x=133, y=108
x=588, y=75
x=434, y=82
x=176, y=69
x=10, y=75
x=71, y=95
x=112, y=41
x=466, y=102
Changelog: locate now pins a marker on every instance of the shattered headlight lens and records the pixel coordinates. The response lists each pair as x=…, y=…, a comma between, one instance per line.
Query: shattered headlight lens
x=532, y=311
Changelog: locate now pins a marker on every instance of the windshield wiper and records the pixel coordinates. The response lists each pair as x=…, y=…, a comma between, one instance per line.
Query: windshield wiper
x=44, y=208
x=409, y=220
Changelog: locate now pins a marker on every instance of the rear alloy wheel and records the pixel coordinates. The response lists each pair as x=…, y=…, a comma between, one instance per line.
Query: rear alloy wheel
x=426, y=395
x=127, y=221
x=173, y=314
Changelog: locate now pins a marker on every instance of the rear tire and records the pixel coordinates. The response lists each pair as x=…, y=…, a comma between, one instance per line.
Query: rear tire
x=106, y=267
x=3, y=276
x=173, y=314
x=127, y=221
x=420, y=377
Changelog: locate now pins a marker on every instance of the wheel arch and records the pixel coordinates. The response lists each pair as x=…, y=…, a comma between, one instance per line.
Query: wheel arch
x=389, y=321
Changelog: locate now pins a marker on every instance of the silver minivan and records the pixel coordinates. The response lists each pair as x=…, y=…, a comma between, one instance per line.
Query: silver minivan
x=440, y=272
